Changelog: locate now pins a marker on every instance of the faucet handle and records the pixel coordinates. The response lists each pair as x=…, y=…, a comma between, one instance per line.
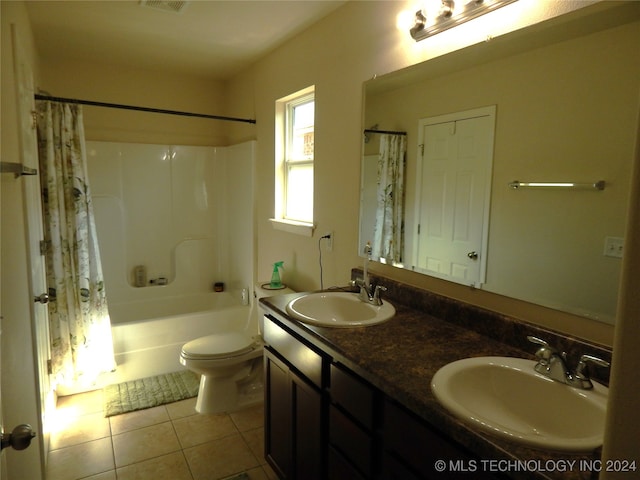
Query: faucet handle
x=545, y=352
x=378, y=289
x=584, y=360
x=582, y=374
x=537, y=341
x=375, y=299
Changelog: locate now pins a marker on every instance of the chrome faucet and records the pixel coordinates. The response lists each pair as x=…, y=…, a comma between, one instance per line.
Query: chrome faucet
x=553, y=364
x=369, y=293
x=365, y=267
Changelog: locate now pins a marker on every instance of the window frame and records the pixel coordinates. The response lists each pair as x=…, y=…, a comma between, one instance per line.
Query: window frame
x=283, y=161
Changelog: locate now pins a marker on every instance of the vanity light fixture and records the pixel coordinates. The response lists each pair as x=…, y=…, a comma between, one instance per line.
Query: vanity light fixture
x=449, y=14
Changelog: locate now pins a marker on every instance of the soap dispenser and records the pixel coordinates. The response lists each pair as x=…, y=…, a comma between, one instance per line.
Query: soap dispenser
x=276, y=283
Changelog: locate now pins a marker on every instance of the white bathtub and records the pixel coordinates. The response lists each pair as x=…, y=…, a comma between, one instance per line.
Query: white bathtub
x=148, y=335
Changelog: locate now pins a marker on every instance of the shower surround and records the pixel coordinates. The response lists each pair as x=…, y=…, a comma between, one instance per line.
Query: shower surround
x=185, y=213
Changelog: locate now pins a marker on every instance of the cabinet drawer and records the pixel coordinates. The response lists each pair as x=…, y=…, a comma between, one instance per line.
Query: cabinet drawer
x=299, y=355
x=340, y=469
x=351, y=441
x=353, y=395
x=392, y=469
x=417, y=444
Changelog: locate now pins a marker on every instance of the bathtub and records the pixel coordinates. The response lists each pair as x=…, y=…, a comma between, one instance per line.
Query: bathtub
x=148, y=335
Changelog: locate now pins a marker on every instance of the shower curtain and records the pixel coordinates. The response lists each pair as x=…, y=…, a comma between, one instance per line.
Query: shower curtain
x=388, y=237
x=80, y=328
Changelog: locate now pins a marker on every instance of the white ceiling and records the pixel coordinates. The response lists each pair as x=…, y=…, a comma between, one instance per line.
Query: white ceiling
x=210, y=38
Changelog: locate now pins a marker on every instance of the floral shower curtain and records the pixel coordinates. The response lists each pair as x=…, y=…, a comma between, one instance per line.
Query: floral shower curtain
x=388, y=237
x=80, y=328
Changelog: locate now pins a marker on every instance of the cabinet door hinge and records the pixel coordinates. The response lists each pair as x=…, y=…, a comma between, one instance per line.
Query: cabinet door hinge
x=49, y=367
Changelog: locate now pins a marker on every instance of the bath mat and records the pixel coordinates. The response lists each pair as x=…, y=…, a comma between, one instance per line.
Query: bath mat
x=149, y=392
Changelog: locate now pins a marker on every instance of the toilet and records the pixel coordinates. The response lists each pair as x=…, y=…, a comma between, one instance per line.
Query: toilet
x=230, y=363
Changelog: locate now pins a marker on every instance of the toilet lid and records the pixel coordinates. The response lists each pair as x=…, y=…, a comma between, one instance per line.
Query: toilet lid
x=219, y=345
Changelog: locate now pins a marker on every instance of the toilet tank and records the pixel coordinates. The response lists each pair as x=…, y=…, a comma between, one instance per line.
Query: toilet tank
x=260, y=290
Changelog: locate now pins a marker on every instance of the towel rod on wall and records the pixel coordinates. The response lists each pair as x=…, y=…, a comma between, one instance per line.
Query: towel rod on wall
x=17, y=169
x=599, y=185
x=140, y=109
x=390, y=132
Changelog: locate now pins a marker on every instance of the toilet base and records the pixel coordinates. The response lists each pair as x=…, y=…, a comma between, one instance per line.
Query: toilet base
x=228, y=394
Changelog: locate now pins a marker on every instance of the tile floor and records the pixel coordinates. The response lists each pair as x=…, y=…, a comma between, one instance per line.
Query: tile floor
x=170, y=442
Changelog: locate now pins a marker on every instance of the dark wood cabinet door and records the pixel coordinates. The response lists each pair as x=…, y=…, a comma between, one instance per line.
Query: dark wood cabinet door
x=294, y=439
x=277, y=431
x=308, y=438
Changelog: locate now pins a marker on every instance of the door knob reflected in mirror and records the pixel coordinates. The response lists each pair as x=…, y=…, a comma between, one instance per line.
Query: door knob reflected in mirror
x=42, y=298
x=473, y=255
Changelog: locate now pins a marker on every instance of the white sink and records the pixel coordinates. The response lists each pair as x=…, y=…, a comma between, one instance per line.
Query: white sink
x=338, y=310
x=507, y=397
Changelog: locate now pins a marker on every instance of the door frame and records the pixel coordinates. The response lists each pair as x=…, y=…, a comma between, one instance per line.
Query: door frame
x=34, y=235
x=488, y=111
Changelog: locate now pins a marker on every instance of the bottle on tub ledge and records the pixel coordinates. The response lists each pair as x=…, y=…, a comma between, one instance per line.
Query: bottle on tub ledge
x=140, y=276
x=245, y=296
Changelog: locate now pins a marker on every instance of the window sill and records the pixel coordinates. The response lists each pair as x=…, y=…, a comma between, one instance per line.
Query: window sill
x=299, y=228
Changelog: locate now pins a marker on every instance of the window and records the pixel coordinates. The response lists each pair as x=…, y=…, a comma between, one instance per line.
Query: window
x=295, y=119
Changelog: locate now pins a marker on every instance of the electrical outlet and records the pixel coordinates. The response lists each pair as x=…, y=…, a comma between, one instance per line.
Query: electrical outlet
x=329, y=241
x=613, y=247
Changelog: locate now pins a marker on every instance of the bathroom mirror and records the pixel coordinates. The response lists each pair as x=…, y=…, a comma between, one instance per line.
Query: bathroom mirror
x=566, y=98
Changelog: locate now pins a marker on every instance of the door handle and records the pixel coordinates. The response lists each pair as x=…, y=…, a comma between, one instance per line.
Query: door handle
x=473, y=255
x=42, y=298
x=20, y=438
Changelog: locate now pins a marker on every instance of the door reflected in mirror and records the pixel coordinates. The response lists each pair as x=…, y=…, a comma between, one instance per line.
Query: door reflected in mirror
x=566, y=111
x=453, y=191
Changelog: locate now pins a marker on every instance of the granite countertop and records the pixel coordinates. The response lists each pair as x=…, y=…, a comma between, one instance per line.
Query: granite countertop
x=401, y=356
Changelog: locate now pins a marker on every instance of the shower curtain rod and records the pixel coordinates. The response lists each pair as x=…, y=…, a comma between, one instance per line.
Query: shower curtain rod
x=390, y=132
x=140, y=109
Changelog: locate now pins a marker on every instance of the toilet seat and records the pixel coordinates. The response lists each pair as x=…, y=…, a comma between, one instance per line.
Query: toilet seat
x=220, y=345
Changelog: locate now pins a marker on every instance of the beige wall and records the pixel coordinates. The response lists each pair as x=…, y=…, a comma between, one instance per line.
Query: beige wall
x=623, y=417
x=171, y=91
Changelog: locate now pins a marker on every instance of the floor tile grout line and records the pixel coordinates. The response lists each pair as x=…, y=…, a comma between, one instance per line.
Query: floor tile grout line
x=148, y=459
x=182, y=447
x=186, y=461
x=208, y=441
x=250, y=449
x=236, y=427
x=113, y=452
x=168, y=419
x=133, y=430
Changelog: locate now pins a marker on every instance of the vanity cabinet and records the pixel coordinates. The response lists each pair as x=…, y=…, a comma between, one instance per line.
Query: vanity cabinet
x=412, y=447
x=294, y=406
x=354, y=414
x=323, y=421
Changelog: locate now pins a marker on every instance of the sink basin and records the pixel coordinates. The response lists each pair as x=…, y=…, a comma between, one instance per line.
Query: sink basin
x=508, y=398
x=338, y=310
